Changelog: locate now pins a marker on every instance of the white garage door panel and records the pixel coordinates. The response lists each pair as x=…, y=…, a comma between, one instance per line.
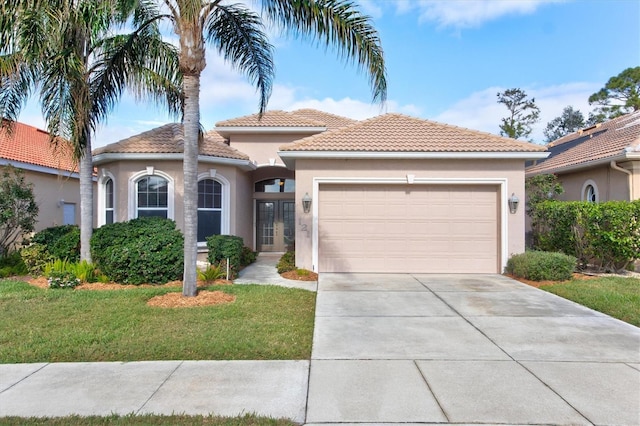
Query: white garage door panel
x=417, y=228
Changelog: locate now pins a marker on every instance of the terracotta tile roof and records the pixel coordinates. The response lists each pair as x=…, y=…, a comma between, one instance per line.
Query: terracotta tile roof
x=31, y=145
x=331, y=121
x=168, y=139
x=607, y=140
x=271, y=119
x=401, y=133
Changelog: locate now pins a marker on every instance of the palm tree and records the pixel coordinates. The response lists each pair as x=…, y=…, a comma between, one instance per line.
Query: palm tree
x=69, y=52
x=238, y=35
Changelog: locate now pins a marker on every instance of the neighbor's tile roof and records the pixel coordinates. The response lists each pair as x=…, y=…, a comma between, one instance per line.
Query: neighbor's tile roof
x=331, y=121
x=31, y=145
x=271, y=119
x=606, y=140
x=169, y=139
x=401, y=133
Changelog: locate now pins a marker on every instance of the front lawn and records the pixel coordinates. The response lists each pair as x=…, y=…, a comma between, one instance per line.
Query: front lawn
x=615, y=296
x=47, y=325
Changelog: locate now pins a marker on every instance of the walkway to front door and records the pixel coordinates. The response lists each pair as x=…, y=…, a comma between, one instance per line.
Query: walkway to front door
x=275, y=228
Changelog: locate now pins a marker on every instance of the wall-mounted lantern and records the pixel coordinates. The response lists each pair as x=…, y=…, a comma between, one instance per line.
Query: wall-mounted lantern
x=306, y=203
x=513, y=203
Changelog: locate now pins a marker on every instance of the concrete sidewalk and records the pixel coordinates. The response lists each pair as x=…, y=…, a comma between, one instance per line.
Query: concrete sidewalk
x=466, y=350
x=263, y=271
x=275, y=389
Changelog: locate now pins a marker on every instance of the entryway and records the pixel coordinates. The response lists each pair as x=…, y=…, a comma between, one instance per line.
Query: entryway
x=275, y=227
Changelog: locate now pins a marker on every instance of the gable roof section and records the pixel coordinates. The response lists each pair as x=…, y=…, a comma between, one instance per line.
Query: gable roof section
x=30, y=145
x=330, y=121
x=169, y=139
x=616, y=139
x=274, y=118
x=397, y=133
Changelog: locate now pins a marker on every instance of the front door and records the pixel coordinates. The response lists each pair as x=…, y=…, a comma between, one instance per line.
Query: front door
x=275, y=228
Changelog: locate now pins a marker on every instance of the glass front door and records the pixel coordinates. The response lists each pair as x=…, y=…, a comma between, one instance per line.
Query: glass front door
x=275, y=228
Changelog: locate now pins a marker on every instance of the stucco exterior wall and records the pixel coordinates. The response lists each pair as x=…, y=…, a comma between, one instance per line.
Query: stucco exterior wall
x=510, y=171
x=49, y=191
x=262, y=148
x=610, y=184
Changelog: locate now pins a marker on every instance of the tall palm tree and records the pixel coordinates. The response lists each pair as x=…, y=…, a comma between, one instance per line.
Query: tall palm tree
x=238, y=35
x=69, y=52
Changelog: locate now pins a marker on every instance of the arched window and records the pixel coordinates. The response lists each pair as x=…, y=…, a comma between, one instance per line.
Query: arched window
x=276, y=185
x=590, y=192
x=209, y=208
x=152, y=197
x=108, y=201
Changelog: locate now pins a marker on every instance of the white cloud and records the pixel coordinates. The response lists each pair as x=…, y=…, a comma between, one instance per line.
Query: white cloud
x=371, y=8
x=481, y=111
x=468, y=14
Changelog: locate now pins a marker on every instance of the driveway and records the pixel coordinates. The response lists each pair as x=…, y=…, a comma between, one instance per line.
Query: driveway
x=466, y=349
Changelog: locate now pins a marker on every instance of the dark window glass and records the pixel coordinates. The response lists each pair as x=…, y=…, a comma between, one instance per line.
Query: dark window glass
x=276, y=185
x=208, y=223
x=209, y=208
x=153, y=194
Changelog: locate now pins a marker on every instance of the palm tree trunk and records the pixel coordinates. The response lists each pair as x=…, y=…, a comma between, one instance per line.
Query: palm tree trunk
x=86, y=201
x=190, y=167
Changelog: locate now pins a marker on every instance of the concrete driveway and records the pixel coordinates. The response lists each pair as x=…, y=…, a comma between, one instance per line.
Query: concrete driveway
x=466, y=349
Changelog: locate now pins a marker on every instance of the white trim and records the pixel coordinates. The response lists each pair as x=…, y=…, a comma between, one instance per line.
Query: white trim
x=133, y=193
x=280, y=165
x=264, y=129
x=595, y=190
x=226, y=199
x=40, y=169
x=289, y=157
x=102, y=217
x=503, y=212
x=208, y=159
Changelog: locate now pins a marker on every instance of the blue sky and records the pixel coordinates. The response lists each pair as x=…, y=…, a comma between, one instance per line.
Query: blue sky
x=446, y=61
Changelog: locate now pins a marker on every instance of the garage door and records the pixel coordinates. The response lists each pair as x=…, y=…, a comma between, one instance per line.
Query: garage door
x=408, y=228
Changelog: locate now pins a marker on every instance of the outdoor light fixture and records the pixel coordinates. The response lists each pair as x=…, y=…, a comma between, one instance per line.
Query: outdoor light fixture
x=306, y=203
x=513, y=203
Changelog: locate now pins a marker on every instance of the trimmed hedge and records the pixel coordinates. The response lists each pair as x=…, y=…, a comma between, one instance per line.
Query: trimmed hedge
x=287, y=262
x=223, y=247
x=606, y=235
x=541, y=266
x=143, y=250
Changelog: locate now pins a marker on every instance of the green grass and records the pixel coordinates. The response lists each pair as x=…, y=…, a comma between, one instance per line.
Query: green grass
x=248, y=420
x=47, y=325
x=615, y=296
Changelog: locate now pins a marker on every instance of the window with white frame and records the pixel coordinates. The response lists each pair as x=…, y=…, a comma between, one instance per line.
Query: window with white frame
x=108, y=201
x=152, y=197
x=590, y=192
x=209, y=208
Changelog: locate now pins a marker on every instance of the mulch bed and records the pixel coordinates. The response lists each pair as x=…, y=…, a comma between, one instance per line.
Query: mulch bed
x=536, y=284
x=293, y=275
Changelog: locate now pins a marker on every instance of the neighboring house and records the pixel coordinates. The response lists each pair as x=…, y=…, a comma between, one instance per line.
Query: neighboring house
x=50, y=169
x=388, y=194
x=599, y=163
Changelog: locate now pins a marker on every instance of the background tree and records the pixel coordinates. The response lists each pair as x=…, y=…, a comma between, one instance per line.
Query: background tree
x=539, y=188
x=18, y=208
x=237, y=33
x=621, y=95
x=71, y=54
x=523, y=113
x=568, y=122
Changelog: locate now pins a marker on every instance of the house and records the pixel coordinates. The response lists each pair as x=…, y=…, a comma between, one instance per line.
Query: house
x=50, y=169
x=599, y=163
x=388, y=194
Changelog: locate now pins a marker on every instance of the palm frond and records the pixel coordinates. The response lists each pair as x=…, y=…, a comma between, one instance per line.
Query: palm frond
x=238, y=34
x=336, y=23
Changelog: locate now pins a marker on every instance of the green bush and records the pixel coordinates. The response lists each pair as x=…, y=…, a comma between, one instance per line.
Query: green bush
x=287, y=262
x=35, y=257
x=213, y=272
x=62, y=279
x=541, y=266
x=143, y=250
x=62, y=242
x=223, y=247
x=12, y=264
x=606, y=235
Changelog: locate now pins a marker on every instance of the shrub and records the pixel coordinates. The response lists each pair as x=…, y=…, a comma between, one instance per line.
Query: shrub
x=287, y=262
x=223, y=247
x=606, y=235
x=61, y=242
x=12, y=264
x=143, y=250
x=213, y=272
x=18, y=208
x=62, y=279
x=35, y=257
x=541, y=266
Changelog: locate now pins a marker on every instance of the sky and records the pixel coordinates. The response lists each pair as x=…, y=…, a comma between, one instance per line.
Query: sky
x=446, y=61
